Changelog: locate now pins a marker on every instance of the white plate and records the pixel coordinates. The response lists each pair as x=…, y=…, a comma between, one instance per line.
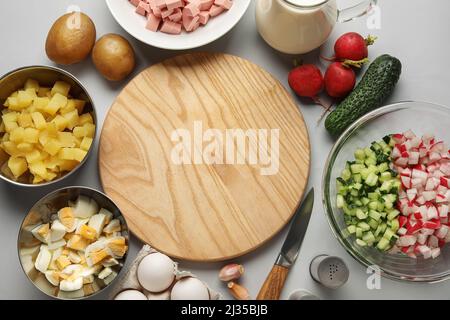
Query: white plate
x=125, y=15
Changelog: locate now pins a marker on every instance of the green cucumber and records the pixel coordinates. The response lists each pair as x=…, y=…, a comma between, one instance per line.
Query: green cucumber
x=377, y=84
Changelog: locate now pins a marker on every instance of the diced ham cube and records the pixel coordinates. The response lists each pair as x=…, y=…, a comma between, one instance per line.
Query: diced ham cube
x=226, y=4
x=143, y=8
x=173, y=4
x=203, y=17
x=216, y=10
x=134, y=2
x=160, y=4
x=153, y=22
x=171, y=27
x=165, y=13
x=192, y=9
x=176, y=16
x=157, y=12
x=205, y=5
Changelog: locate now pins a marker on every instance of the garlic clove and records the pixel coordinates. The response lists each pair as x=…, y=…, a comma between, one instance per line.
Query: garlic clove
x=231, y=272
x=238, y=291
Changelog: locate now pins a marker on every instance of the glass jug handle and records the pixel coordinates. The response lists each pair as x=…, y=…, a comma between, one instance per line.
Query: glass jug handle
x=362, y=8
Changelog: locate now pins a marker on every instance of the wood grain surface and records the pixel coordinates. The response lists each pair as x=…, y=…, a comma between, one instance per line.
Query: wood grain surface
x=202, y=212
x=274, y=284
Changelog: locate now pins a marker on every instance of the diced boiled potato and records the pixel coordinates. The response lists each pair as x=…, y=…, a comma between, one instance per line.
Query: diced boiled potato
x=38, y=168
x=61, y=87
x=37, y=179
x=2, y=127
x=85, y=118
x=79, y=105
x=31, y=92
x=90, y=130
x=44, y=92
x=86, y=143
x=72, y=118
x=80, y=132
x=70, y=106
x=79, y=154
x=18, y=166
x=52, y=147
x=67, y=139
x=33, y=156
x=66, y=154
x=10, y=117
x=25, y=147
x=67, y=165
x=60, y=122
x=32, y=84
x=52, y=163
x=24, y=120
x=10, y=126
x=25, y=99
x=17, y=135
x=12, y=103
x=40, y=103
x=31, y=135
x=57, y=102
x=38, y=120
x=11, y=148
x=50, y=176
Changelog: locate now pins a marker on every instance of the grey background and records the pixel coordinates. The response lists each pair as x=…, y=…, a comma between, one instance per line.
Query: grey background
x=414, y=30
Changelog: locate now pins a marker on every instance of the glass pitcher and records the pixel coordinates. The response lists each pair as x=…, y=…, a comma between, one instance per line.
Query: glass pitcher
x=300, y=26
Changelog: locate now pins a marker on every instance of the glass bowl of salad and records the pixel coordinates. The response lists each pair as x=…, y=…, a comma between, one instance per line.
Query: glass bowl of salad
x=386, y=191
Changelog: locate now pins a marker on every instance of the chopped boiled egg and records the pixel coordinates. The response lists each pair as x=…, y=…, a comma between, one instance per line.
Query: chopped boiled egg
x=77, y=243
x=108, y=214
x=62, y=262
x=88, y=279
x=43, y=259
x=88, y=232
x=67, y=218
x=98, y=256
x=117, y=246
x=80, y=223
x=74, y=257
x=56, y=245
x=42, y=232
x=57, y=231
x=52, y=277
x=110, y=262
x=85, y=207
x=97, y=222
x=74, y=285
x=113, y=226
x=105, y=273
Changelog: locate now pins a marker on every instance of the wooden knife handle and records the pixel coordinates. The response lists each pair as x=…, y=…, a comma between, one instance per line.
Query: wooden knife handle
x=272, y=287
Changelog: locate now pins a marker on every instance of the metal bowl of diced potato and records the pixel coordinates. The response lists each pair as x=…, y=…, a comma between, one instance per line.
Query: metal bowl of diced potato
x=38, y=151
x=55, y=265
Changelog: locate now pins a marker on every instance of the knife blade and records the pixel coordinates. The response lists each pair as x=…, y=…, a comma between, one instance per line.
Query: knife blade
x=271, y=290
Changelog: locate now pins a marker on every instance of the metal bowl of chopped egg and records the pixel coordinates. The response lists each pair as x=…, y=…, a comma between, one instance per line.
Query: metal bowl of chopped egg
x=73, y=243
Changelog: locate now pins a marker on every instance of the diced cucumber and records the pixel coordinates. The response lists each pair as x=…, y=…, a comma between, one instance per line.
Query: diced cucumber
x=367, y=193
x=361, y=243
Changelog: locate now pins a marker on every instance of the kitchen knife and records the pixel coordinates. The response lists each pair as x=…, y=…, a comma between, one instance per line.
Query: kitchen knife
x=272, y=287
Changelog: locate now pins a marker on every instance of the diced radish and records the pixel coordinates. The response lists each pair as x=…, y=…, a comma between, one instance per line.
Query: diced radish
x=396, y=153
x=440, y=198
x=406, y=182
x=429, y=195
x=415, y=142
x=420, y=200
x=438, y=147
x=402, y=162
x=427, y=232
x=412, y=194
x=414, y=158
x=445, y=182
x=441, y=233
x=421, y=238
x=402, y=231
x=436, y=252
x=406, y=241
x=427, y=137
x=419, y=174
x=399, y=138
x=443, y=210
x=435, y=156
x=406, y=172
x=433, y=241
x=402, y=221
x=425, y=251
x=409, y=134
x=416, y=183
x=432, y=224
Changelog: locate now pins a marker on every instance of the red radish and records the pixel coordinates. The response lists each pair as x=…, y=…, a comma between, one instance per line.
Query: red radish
x=340, y=80
x=352, y=46
x=307, y=81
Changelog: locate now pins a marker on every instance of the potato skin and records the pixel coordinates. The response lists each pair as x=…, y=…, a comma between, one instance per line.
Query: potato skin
x=68, y=45
x=114, y=57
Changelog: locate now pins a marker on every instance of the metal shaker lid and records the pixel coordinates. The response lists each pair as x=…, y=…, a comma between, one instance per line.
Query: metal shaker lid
x=332, y=272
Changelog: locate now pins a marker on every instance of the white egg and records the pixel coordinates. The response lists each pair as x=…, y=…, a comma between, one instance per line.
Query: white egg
x=156, y=272
x=189, y=289
x=130, y=295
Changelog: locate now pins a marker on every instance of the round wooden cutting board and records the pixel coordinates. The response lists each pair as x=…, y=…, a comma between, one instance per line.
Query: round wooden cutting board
x=199, y=194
